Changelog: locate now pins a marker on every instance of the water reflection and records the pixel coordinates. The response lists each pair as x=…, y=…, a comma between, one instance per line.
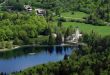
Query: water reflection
x=22, y=58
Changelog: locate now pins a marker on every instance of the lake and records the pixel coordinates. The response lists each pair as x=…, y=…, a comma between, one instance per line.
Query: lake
x=25, y=57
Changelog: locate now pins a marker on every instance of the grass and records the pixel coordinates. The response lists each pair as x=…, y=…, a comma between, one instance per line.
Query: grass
x=87, y=28
x=76, y=15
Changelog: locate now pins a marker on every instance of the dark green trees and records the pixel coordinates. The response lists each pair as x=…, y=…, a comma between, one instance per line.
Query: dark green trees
x=51, y=40
x=59, y=38
x=59, y=23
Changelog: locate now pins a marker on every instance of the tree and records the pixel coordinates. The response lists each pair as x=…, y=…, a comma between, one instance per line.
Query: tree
x=9, y=34
x=87, y=71
x=51, y=40
x=2, y=35
x=59, y=23
x=17, y=0
x=59, y=38
x=69, y=31
x=104, y=72
x=9, y=45
x=47, y=31
x=17, y=41
x=22, y=34
x=2, y=45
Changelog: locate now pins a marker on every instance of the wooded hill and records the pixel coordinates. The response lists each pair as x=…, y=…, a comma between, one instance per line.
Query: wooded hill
x=96, y=8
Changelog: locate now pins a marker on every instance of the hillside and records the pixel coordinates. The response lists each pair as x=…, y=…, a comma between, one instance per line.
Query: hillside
x=49, y=23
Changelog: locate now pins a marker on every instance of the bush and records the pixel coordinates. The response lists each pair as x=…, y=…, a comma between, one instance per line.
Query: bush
x=9, y=45
x=95, y=21
x=17, y=41
x=59, y=38
x=51, y=40
x=2, y=45
x=62, y=19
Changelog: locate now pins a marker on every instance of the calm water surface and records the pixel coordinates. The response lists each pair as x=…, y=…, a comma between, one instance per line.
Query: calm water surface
x=26, y=57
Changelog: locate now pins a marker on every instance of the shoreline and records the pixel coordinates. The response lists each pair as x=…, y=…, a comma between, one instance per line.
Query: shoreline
x=6, y=49
x=17, y=47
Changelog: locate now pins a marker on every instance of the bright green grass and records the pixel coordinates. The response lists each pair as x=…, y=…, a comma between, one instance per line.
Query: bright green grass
x=87, y=28
x=76, y=15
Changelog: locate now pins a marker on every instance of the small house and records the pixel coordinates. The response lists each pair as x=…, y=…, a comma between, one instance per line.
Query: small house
x=40, y=12
x=28, y=8
x=74, y=37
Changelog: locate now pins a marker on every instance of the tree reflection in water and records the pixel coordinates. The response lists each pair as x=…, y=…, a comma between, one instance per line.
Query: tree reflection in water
x=31, y=49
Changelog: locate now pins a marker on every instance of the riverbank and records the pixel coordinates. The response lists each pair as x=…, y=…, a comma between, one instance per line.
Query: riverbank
x=16, y=47
x=6, y=49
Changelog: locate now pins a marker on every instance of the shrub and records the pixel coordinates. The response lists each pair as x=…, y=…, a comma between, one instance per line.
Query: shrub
x=62, y=19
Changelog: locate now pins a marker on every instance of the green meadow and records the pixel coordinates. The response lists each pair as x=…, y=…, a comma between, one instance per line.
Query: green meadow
x=76, y=15
x=87, y=28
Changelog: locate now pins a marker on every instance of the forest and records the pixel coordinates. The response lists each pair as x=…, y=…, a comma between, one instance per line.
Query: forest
x=19, y=27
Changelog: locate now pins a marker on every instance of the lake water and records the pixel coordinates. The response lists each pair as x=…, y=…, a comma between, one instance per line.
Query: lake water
x=26, y=57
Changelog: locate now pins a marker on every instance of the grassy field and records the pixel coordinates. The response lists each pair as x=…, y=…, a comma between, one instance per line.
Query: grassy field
x=76, y=15
x=87, y=28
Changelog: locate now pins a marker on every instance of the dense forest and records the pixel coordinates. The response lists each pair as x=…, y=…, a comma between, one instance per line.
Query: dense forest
x=19, y=27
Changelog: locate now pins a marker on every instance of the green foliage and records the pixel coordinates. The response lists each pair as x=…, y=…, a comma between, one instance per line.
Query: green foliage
x=59, y=23
x=97, y=9
x=24, y=28
x=20, y=27
x=2, y=45
x=9, y=45
x=6, y=44
x=17, y=41
x=51, y=40
x=87, y=28
x=42, y=40
x=59, y=38
x=69, y=31
x=47, y=31
x=84, y=61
